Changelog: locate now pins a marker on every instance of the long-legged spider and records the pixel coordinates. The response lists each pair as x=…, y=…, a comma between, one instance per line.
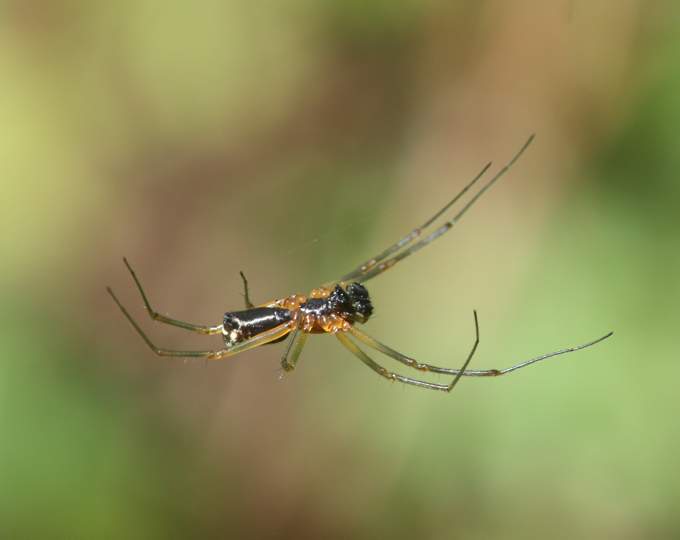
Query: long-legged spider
x=335, y=308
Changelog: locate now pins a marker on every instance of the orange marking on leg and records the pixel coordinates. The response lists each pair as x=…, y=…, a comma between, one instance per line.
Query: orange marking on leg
x=321, y=292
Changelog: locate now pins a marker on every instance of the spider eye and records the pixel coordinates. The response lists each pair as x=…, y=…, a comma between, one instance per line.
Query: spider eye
x=363, y=309
x=361, y=303
x=357, y=290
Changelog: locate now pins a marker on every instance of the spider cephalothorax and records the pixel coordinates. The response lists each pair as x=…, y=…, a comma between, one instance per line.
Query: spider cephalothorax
x=328, y=309
x=352, y=304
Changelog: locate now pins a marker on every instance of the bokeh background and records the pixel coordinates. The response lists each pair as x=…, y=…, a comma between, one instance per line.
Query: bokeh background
x=292, y=140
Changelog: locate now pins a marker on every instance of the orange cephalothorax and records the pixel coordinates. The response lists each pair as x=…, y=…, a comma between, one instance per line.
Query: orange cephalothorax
x=328, y=310
x=335, y=310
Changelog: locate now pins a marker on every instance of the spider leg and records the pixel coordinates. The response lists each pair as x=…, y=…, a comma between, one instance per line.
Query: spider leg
x=246, y=296
x=260, y=339
x=290, y=357
x=361, y=355
x=199, y=328
x=411, y=362
x=389, y=263
x=413, y=235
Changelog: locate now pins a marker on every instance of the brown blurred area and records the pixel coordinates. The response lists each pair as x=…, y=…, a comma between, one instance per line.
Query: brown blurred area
x=293, y=140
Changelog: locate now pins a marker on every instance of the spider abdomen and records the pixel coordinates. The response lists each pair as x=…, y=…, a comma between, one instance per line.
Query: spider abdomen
x=239, y=326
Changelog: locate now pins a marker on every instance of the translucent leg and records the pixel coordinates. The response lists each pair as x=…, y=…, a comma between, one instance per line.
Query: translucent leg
x=199, y=328
x=413, y=235
x=361, y=355
x=297, y=342
x=373, y=267
x=413, y=363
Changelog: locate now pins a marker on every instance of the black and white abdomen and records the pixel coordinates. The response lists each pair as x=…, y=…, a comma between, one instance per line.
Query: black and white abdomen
x=239, y=326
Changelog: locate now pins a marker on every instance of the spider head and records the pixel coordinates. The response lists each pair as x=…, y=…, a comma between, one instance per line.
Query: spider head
x=361, y=302
x=352, y=303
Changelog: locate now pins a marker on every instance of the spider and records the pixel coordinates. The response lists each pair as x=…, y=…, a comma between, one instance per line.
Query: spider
x=335, y=308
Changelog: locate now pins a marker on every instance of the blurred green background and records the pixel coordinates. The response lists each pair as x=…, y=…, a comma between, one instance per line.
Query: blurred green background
x=293, y=140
